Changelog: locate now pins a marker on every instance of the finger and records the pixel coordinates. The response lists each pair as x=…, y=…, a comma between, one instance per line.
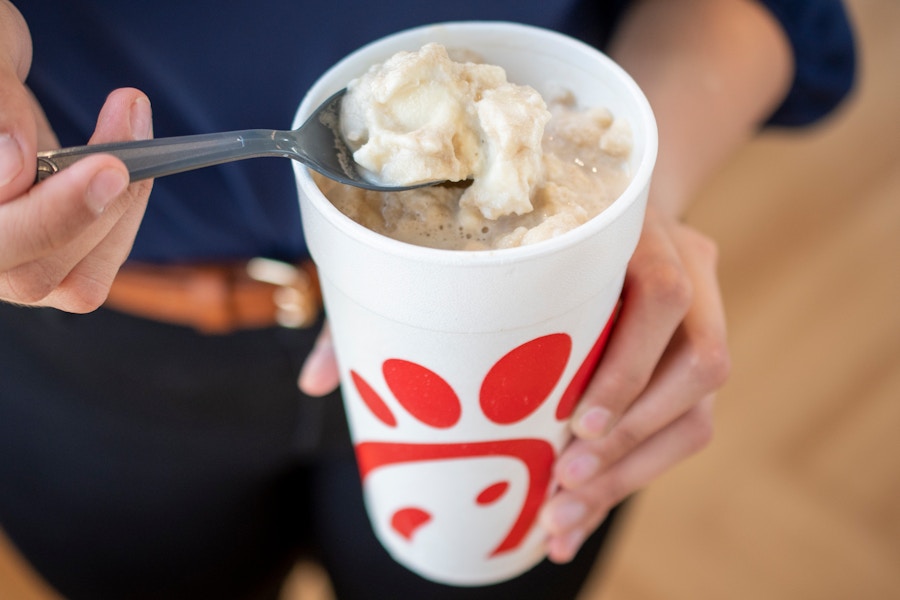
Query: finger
x=87, y=284
x=53, y=213
x=18, y=130
x=78, y=273
x=571, y=515
x=15, y=41
x=319, y=375
x=656, y=295
x=695, y=364
x=126, y=115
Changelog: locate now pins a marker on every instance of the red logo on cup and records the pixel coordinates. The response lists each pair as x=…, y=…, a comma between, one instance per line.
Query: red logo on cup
x=516, y=386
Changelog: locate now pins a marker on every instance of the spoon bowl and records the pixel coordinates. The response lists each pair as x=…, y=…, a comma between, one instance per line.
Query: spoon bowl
x=317, y=143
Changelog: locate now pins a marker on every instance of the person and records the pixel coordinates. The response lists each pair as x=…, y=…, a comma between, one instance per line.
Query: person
x=153, y=439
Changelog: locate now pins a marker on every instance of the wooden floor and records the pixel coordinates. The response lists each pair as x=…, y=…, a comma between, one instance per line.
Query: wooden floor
x=798, y=497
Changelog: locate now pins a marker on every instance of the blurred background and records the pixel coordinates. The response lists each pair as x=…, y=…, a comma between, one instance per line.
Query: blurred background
x=798, y=496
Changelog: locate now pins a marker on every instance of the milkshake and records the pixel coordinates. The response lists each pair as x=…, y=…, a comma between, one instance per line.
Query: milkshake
x=521, y=169
x=460, y=367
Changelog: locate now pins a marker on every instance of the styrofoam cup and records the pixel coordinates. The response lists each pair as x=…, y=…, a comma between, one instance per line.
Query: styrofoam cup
x=460, y=368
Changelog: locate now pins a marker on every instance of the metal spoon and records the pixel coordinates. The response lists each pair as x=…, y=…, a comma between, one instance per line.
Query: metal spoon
x=317, y=143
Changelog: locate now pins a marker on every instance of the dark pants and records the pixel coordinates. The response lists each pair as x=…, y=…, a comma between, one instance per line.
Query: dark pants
x=141, y=460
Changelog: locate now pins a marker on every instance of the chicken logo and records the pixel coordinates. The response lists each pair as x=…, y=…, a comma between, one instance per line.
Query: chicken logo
x=472, y=501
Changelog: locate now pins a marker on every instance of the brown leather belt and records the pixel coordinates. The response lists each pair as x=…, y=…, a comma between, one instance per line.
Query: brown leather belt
x=220, y=298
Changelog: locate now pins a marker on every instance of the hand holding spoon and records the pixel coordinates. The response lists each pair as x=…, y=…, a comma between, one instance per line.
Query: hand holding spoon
x=317, y=143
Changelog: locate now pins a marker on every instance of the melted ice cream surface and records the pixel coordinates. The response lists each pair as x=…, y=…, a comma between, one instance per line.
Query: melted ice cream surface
x=537, y=169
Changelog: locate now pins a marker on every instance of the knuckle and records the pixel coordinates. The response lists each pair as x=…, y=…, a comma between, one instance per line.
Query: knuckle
x=83, y=293
x=623, y=438
x=669, y=285
x=604, y=498
x=33, y=282
x=708, y=248
x=701, y=428
x=620, y=386
x=85, y=300
x=41, y=238
x=710, y=362
x=70, y=290
x=701, y=244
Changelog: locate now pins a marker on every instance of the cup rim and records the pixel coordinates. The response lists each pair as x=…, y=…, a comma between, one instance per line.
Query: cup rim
x=326, y=85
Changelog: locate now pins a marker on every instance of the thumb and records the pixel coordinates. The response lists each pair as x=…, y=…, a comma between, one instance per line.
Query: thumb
x=18, y=135
x=17, y=120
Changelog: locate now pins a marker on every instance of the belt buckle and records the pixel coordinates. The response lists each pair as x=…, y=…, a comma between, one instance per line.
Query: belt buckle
x=294, y=294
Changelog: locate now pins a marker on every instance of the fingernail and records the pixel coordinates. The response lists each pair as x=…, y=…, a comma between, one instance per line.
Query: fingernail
x=594, y=421
x=581, y=468
x=568, y=514
x=141, y=119
x=10, y=159
x=104, y=188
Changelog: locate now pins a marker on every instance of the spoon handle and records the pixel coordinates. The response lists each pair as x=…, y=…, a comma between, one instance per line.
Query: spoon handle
x=146, y=159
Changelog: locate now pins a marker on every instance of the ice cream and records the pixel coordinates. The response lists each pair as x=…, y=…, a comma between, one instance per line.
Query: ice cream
x=526, y=170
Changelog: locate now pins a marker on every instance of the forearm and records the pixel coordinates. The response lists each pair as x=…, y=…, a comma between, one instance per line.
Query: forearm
x=713, y=70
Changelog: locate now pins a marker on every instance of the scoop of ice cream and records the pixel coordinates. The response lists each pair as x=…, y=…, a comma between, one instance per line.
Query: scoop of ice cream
x=421, y=116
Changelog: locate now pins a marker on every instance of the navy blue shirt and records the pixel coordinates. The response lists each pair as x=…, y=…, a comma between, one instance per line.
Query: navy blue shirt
x=220, y=65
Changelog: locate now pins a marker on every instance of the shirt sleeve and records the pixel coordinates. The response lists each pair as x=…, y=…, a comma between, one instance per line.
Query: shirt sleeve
x=822, y=40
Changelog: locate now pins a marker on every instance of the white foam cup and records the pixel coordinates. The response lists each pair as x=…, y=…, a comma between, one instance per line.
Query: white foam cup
x=459, y=369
